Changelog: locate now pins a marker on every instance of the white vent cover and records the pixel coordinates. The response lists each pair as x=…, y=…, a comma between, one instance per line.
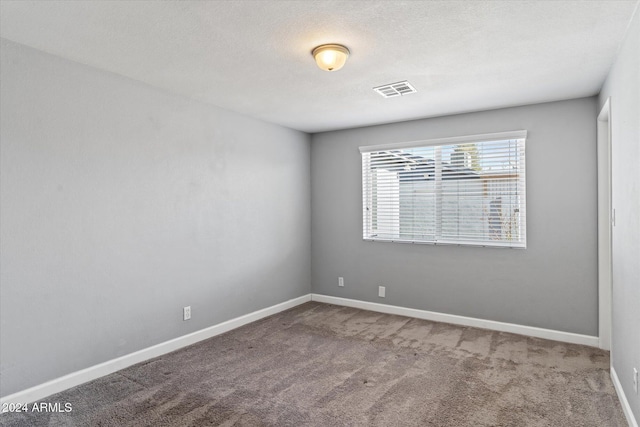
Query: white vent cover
x=395, y=89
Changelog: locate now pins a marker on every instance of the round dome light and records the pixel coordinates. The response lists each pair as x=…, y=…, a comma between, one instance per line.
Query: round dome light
x=330, y=57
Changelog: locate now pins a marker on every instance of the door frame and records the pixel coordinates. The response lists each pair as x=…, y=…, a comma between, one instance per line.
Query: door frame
x=606, y=220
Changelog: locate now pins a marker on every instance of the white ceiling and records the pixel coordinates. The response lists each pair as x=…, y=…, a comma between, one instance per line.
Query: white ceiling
x=254, y=57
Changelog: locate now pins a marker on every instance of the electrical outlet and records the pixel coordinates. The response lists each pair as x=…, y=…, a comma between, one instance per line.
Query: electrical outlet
x=381, y=291
x=635, y=380
x=186, y=313
x=341, y=281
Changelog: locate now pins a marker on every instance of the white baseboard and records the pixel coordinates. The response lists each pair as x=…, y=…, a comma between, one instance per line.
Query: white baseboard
x=79, y=377
x=626, y=408
x=532, y=331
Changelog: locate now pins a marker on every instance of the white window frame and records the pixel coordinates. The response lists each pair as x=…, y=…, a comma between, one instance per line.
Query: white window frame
x=500, y=136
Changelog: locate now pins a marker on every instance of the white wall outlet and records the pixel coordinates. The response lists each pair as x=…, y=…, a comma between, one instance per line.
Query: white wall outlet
x=341, y=281
x=635, y=380
x=186, y=313
x=382, y=291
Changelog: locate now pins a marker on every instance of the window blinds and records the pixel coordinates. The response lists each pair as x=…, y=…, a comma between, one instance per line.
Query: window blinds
x=464, y=190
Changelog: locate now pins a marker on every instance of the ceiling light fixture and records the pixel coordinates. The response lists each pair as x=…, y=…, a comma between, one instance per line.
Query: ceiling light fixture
x=330, y=57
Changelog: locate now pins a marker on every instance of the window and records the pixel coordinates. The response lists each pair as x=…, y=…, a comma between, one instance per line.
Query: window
x=464, y=190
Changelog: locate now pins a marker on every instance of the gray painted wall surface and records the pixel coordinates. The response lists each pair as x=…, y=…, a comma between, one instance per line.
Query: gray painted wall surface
x=552, y=284
x=623, y=86
x=121, y=204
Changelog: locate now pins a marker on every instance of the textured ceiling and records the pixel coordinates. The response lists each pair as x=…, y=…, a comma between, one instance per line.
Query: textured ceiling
x=254, y=57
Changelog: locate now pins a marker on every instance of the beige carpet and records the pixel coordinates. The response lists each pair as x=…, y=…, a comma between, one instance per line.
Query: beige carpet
x=324, y=365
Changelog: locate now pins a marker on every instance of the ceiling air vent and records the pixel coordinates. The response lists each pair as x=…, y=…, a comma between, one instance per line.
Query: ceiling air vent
x=395, y=89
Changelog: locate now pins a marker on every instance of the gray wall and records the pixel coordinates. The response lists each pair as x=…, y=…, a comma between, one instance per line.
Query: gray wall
x=623, y=86
x=121, y=204
x=551, y=284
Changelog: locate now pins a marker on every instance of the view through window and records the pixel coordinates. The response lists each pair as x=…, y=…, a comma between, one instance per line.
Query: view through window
x=464, y=190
